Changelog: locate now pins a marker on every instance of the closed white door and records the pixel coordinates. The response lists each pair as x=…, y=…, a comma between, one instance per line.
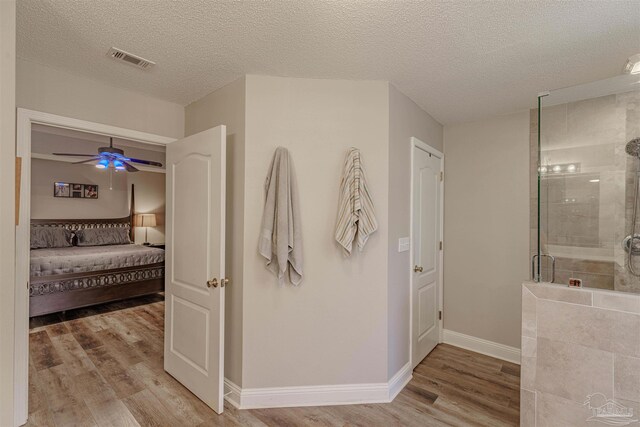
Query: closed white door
x=194, y=291
x=426, y=239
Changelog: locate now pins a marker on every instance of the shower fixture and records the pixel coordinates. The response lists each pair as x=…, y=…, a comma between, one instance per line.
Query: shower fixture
x=631, y=243
x=633, y=147
x=633, y=65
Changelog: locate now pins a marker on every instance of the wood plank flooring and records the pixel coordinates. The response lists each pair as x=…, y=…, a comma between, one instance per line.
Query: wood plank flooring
x=102, y=366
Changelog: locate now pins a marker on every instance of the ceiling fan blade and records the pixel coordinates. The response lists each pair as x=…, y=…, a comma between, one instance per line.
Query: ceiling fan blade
x=145, y=162
x=130, y=168
x=73, y=154
x=87, y=161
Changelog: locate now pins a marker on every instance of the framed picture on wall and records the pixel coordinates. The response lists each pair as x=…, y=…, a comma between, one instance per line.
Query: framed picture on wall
x=76, y=191
x=61, y=189
x=90, y=191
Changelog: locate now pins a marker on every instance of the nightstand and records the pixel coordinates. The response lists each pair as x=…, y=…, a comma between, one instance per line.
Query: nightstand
x=156, y=245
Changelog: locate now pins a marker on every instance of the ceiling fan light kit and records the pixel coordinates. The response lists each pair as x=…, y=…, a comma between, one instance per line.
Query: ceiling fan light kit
x=111, y=158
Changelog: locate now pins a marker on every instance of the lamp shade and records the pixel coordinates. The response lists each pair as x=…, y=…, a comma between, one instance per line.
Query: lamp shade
x=145, y=220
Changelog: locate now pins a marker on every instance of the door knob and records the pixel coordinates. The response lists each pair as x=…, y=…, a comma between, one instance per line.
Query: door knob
x=224, y=282
x=417, y=269
x=213, y=282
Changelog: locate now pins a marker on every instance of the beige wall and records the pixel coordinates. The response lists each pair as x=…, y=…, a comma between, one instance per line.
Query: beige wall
x=563, y=362
x=150, y=188
x=406, y=119
x=279, y=336
x=332, y=329
x=46, y=89
x=227, y=106
x=109, y=204
x=150, y=194
x=7, y=228
x=486, y=237
x=296, y=336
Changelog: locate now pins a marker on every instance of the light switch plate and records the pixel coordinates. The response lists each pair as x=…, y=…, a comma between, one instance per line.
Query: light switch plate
x=403, y=244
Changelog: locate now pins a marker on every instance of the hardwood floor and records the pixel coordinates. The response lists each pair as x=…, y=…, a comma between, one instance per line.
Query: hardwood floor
x=101, y=367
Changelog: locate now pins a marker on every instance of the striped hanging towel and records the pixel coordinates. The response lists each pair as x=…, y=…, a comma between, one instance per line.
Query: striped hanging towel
x=356, y=214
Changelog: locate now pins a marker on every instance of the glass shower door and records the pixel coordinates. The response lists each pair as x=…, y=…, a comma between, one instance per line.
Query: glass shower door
x=586, y=184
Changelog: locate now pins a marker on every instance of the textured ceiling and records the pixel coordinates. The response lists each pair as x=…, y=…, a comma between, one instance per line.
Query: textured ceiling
x=459, y=60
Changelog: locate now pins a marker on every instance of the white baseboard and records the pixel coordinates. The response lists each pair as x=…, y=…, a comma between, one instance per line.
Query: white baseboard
x=282, y=397
x=349, y=394
x=345, y=394
x=399, y=381
x=232, y=392
x=479, y=345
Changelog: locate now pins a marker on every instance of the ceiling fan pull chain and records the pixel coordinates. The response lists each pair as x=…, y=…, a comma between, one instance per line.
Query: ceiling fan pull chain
x=110, y=178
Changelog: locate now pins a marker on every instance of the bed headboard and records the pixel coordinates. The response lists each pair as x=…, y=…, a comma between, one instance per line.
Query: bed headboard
x=80, y=224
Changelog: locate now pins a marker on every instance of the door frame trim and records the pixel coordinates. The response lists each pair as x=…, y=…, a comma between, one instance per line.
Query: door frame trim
x=416, y=143
x=24, y=119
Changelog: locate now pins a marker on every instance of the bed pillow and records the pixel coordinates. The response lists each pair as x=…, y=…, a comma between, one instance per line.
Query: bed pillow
x=50, y=237
x=103, y=236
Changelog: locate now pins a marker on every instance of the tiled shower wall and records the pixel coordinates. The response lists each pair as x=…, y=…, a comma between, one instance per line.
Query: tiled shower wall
x=577, y=342
x=624, y=280
x=587, y=214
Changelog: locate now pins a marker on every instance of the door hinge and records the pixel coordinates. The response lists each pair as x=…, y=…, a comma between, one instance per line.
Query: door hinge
x=440, y=244
x=440, y=315
x=441, y=176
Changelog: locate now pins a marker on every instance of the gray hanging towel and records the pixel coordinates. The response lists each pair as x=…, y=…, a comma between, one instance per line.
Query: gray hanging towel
x=281, y=234
x=356, y=215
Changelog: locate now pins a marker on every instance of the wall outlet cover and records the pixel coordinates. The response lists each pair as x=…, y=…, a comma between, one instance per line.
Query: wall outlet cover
x=403, y=244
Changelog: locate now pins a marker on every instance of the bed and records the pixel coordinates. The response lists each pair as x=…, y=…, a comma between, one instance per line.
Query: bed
x=63, y=278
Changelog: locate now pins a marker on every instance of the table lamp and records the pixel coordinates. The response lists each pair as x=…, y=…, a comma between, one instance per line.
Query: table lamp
x=146, y=221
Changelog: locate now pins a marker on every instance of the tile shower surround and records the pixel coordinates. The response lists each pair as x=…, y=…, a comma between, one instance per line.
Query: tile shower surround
x=592, y=132
x=576, y=342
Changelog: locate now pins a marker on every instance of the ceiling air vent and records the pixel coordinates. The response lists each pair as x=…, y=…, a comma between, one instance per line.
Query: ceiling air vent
x=128, y=58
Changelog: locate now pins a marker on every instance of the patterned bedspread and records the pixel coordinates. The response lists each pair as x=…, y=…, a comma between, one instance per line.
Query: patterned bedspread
x=47, y=262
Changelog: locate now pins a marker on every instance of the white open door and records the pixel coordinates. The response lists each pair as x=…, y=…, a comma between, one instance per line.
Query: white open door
x=427, y=250
x=194, y=286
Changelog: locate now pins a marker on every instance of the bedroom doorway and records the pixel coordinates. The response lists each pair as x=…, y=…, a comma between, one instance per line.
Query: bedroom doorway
x=191, y=167
x=97, y=207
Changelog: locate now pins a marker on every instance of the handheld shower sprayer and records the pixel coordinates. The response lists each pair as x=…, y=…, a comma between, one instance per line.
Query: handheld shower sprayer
x=631, y=243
